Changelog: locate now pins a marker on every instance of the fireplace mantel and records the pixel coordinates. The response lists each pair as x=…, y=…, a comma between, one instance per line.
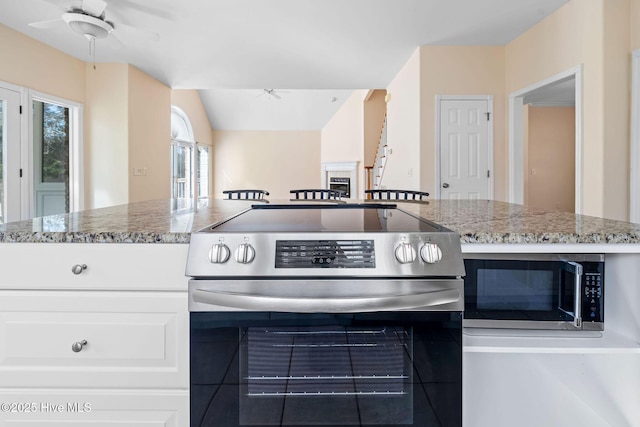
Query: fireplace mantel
x=341, y=169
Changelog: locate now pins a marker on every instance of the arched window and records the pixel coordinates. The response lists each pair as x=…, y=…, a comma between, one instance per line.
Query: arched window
x=189, y=160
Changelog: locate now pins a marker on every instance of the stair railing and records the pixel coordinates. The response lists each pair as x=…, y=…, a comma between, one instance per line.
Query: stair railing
x=375, y=172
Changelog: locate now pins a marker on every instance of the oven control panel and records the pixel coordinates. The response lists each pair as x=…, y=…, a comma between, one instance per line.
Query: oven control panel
x=321, y=254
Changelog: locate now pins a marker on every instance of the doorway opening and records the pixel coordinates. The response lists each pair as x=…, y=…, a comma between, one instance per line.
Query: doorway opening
x=564, y=90
x=40, y=154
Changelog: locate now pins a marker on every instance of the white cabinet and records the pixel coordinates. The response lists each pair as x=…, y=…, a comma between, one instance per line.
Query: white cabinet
x=555, y=378
x=127, y=319
x=112, y=266
x=551, y=389
x=89, y=408
x=133, y=339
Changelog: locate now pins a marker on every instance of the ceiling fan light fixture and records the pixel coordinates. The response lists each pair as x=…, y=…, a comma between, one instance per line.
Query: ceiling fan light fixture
x=87, y=25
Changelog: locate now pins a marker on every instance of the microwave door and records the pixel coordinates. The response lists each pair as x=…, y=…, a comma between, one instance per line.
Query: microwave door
x=569, y=297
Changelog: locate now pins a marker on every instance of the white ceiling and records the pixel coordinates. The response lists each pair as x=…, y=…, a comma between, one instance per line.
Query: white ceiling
x=317, y=46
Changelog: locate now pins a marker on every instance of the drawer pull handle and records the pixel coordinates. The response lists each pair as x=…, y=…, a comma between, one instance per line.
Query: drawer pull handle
x=78, y=268
x=78, y=346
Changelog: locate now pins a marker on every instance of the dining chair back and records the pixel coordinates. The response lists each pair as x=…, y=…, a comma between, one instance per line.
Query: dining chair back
x=245, y=194
x=317, y=194
x=396, y=195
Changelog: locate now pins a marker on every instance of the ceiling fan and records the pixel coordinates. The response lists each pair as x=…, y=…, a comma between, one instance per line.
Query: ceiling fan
x=270, y=93
x=88, y=18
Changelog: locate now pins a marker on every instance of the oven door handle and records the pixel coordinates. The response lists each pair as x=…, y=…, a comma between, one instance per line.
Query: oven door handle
x=251, y=302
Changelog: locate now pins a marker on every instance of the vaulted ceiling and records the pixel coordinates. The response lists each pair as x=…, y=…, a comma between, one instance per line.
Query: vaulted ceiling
x=310, y=51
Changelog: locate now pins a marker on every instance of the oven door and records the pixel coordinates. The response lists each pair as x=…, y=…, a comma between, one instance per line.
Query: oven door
x=293, y=369
x=282, y=368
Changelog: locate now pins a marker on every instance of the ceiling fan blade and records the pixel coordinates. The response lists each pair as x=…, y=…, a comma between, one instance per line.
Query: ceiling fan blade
x=275, y=95
x=52, y=23
x=136, y=32
x=135, y=6
x=94, y=7
x=114, y=42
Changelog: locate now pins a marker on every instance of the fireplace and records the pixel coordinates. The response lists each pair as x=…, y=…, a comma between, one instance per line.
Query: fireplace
x=342, y=184
x=341, y=176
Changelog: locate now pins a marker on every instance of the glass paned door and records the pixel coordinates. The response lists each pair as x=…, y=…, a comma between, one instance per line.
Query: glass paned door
x=10, y=207
x=2, y=121
x=203, y=171
x=50, y=158
x=181, y=171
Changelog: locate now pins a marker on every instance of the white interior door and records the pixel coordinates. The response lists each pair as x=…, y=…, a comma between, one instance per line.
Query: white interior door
x=10, y=170
x=465, y=166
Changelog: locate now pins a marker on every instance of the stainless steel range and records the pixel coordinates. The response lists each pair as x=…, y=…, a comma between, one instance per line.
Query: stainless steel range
x=326, y=314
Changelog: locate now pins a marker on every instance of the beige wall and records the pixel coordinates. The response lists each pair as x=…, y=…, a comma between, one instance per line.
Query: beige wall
x=343, y=135
x=127, y=127
x=462, y=70
x=634, y=17
x=189, y=101
x=149, y=137
x=594, y=34
x=616, y=110
x=126, y=117
x=106, y=136
x=32, y=64
x=276, y=161
x=342, y=138
x=402, y=169
x=550, y=153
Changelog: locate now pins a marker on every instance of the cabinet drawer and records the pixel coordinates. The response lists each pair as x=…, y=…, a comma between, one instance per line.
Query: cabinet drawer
x=109, y=266
x=133, y=339
x=88, y=408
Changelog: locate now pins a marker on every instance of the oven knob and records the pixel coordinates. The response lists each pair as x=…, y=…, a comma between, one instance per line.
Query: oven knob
x=430, y=253
x=245, y=253
x=219, y=253
x=405, y=253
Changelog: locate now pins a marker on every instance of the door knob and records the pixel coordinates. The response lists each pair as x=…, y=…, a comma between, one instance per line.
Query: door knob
x=445, y=185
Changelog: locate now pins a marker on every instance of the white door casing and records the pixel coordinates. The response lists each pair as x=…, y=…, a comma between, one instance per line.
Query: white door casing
x=10, y=204
x=516, y=135
x=634, y=196
x=464, y=147
x=18, y=199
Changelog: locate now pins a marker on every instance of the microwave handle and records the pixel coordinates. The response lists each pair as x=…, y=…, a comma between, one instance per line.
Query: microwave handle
x=576, y=269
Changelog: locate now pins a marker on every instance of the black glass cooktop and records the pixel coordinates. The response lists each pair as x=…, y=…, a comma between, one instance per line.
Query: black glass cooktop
x=345, y=217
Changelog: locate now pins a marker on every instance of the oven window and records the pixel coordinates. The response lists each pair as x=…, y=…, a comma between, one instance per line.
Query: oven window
x=285, y=369
x=321, y=367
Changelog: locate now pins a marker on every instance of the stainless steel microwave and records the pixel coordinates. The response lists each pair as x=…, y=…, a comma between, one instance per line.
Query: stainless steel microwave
x=534, y=291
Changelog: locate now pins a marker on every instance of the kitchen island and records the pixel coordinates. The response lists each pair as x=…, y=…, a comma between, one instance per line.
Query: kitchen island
x=124, y=292
x=172, y=221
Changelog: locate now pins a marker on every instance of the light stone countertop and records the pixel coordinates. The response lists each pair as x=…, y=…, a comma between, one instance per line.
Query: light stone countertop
x=172, y=221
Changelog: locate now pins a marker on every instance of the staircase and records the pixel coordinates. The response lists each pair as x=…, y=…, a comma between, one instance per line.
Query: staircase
x=375, y=172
